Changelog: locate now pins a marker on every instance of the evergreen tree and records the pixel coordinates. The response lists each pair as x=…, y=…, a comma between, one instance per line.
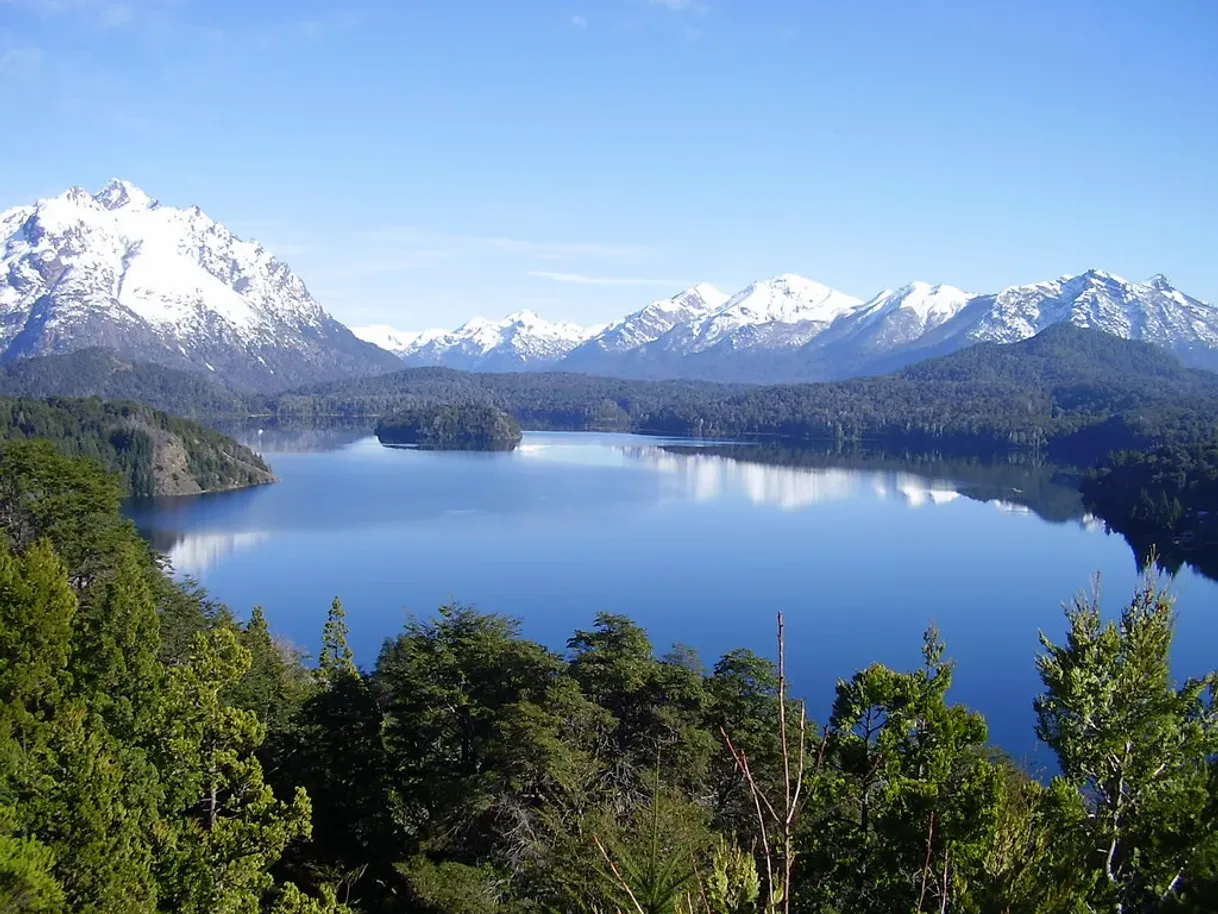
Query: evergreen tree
x=905, y=807
x=1135, y=751
x=336, y=659
x=234, y=829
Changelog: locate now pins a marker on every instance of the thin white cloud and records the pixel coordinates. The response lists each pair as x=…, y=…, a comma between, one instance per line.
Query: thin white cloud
x=551, y=250
x=676, y=5
x=108, y=13
x=541, y=250
x=580, y=22
x=584, y=280
x=19, y=61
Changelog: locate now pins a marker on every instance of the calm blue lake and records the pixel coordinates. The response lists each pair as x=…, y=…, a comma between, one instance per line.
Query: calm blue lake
x=700, y=545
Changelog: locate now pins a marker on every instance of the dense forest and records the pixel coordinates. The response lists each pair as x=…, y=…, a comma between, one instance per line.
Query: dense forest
x=1166, y=499
x=104, y=373
x=1069, y=394
x=152, y=452
x=451, y=426
x=158, y=755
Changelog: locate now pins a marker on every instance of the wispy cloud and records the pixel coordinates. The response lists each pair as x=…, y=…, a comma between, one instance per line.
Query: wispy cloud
x=580, y=22
x=673, y=4
x=405, y=262
x=19, y=61
x=107, y=13
x=540, y=250
x=583, y=280
x=554, y=250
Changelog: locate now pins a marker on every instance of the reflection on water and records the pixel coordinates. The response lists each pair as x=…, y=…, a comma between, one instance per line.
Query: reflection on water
x=192, y=554
x=269, y=436
x=711, y=475
x=366, y=487
x=700, y=542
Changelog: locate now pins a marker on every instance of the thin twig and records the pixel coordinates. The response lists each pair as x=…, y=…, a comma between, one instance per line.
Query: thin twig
x=930, y=836
x=617, y=874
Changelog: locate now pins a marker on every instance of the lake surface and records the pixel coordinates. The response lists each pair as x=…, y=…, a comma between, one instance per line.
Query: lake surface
x=701, y=545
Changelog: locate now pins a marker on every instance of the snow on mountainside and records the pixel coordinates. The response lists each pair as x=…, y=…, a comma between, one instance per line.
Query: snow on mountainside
x=1153, y=311
x=652, y=322
x=520, y=340
x=893, y=319
x=623, y=338
x=166, y=285
x=396, y=341
x=782, y=312
x=792, y=328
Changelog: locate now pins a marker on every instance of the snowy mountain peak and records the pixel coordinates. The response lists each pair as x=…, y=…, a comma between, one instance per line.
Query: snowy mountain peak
x=522, y=339
x=789, y=327
x=788, y=298
x=932, y=305
x=119, y=194
x=648, y=324
x=711, y=296
x=166, y=285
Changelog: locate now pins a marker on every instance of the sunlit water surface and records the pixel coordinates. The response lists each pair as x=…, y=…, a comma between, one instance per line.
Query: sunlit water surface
x=697, y=545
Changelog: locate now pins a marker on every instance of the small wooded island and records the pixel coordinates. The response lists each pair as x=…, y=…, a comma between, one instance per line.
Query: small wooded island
x=451, y=427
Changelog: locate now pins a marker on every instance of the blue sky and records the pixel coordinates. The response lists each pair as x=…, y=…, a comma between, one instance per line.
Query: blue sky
x=421, y=161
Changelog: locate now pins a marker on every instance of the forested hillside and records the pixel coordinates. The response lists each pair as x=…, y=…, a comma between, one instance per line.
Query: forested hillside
x=156, y=755
x=1070, y=394
x=103, y=373
x=152, y=452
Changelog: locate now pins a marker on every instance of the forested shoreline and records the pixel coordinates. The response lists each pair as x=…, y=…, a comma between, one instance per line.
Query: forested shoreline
x=152, y=452
x=159, y=754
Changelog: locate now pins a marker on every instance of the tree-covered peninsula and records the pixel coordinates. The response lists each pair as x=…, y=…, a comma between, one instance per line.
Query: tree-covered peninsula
x=152, y=452
x=451, y=427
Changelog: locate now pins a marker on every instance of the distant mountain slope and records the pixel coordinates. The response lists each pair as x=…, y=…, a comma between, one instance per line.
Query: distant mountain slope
x=517, y=342
x=790, y=328
x=1070, y=392
x=165, y=285
x=153, y=453
x=103, y=373
x=621, y=340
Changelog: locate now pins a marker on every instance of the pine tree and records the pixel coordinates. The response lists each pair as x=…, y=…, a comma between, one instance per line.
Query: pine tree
x=235, y=829
x=337, y=660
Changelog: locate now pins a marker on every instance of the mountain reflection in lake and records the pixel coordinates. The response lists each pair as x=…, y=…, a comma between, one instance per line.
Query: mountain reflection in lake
x=701, y=543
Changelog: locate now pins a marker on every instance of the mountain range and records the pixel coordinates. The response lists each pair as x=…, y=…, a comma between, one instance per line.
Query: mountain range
x=165, y=285
x=791, y=328
x=156, y=284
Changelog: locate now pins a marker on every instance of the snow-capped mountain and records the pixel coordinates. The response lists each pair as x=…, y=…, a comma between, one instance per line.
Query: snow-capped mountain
x=779, y=313
x=399, y=342
x=521, y=340
x=1154, y=311
x=791, y=328
x=644, y=326
x=166, y=285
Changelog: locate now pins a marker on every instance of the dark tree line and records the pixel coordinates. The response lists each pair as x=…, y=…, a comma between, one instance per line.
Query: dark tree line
x=158, y=755
x=451, y=426
x=1069, y=394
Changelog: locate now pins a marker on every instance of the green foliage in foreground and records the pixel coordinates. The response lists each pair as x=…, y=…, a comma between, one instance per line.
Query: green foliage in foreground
x=454, y=426
x=155, y=755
